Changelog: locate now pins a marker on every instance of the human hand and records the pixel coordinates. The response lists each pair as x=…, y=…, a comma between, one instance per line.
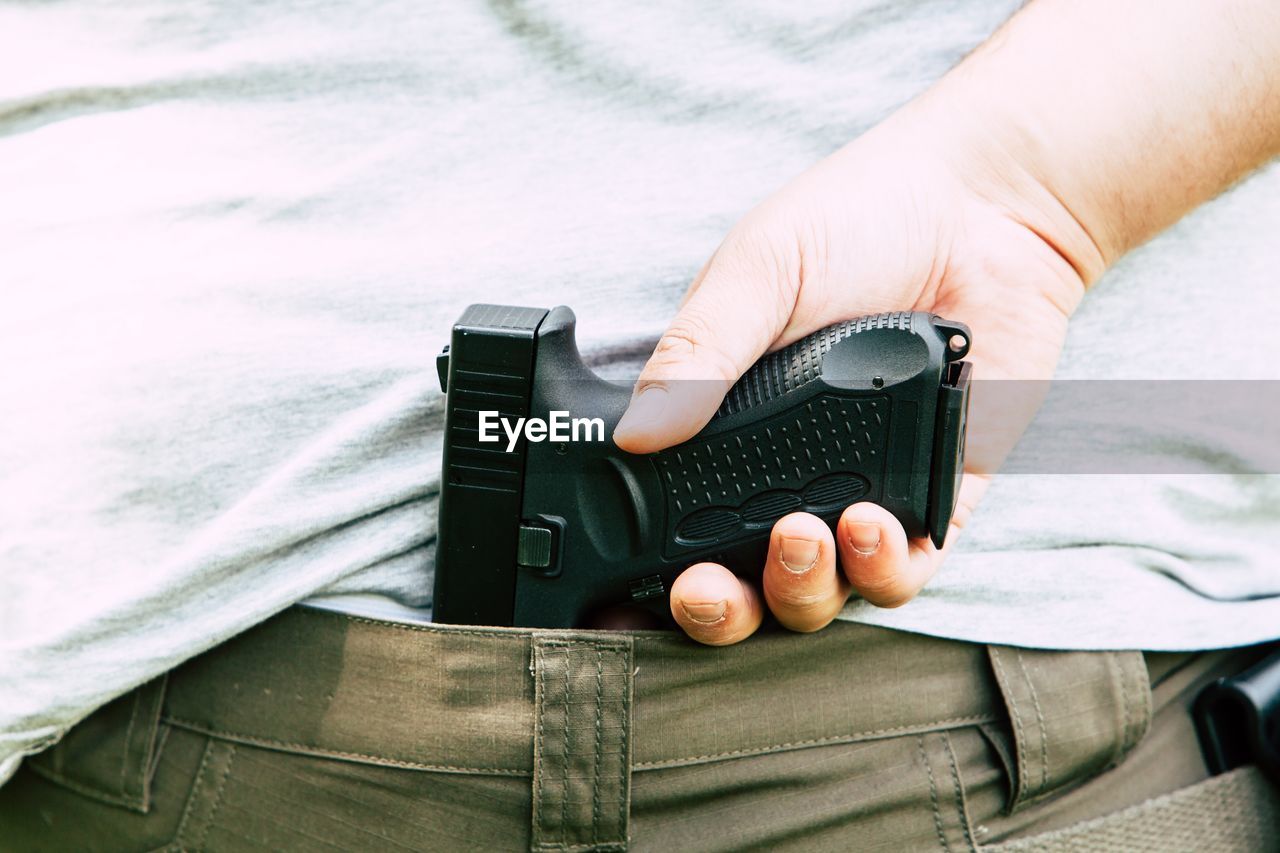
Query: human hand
x=892, y=222
x=994, y=199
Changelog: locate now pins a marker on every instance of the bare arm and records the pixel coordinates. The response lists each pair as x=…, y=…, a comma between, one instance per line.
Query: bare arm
x=1121, y=116
x=1079, y=130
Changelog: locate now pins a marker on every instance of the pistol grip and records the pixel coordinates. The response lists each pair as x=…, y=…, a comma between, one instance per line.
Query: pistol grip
x=871, y=409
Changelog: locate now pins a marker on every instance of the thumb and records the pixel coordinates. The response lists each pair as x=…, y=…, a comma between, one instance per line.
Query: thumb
x=733, y=313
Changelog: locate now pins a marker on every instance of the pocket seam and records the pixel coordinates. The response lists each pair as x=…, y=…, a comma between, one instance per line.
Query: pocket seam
x=962, y=805
x=933, y=794
x=83, y=789
x=195, y=821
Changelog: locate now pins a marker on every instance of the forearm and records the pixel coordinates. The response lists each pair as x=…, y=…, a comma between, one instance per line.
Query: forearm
x=1117, y=118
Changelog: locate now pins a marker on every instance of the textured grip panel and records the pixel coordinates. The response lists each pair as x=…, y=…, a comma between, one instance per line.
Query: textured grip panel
x=800, y=363
x=817, y=457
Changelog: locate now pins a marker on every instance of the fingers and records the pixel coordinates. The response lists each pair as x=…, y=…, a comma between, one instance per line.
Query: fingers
x=714, y=606
x=738, y=308
x=801, y=584
x=882, y=565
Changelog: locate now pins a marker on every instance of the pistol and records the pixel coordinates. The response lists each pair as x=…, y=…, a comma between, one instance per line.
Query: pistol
x=543, y=519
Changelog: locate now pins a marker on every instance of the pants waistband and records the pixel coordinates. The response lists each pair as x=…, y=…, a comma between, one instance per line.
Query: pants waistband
x=579, y=712
x=451, y=698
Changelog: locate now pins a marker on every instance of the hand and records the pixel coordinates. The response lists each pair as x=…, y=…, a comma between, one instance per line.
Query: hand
x=907, y=217
x=993, y=199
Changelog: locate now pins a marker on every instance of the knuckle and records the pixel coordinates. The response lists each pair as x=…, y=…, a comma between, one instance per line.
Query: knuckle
x=764, y=256
x=765, y=249
x=691, y=338
x=678, y=342
x=876, y=581
x=879, y=585
x=882, y=592
x=798, y=599
x=804, y=612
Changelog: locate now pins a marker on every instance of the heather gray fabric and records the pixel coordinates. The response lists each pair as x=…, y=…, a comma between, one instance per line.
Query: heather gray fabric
x=233, y=235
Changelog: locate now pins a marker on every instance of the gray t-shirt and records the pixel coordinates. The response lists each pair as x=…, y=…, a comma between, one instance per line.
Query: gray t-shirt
x=233, y=236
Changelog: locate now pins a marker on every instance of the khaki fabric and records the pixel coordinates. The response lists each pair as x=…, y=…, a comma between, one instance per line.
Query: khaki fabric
x=582, y=743
x=322, y=731
x=1239, y=810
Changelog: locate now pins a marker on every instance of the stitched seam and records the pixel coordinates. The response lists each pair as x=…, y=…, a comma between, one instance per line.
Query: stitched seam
x=1117, y=687
x=128, y=737
x=1145, y=710
x=540, y=741
x=1019, y=747
x=155, y=740
x=595, y=786
x=307, y=749
x=959, y=789
x=217, y=796
x=821, y=741
x=1124, y=701
x=83, y=789
x=193, y=797
x=933, y=794
x=564, y=761
x=578, y=642
x=1138, y=723
x=153, y=763
x=624, y=761
x=162, y=738
x=1044, y=741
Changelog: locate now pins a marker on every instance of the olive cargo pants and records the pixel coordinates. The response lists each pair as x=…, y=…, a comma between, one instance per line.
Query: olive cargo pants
x=316, y=731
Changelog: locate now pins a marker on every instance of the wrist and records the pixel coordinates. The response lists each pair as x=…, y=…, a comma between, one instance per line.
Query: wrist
x=1001, y=162
x=1098, y=139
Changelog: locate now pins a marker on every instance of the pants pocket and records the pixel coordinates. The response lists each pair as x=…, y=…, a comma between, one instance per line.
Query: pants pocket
x=1070, y=716
x=111, y=756
x=50, y=810
x=249, y=798
x=925, y=791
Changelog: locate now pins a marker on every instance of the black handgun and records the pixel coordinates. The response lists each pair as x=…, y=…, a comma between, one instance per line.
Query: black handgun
x=544, y=519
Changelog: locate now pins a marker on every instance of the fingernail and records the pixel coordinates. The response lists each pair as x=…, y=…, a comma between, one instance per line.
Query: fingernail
x=799, y=555
x=864, y=536
x=645, y=409
x=711, y=611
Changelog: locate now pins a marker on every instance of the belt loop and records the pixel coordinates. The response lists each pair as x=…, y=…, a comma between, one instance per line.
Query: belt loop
x=111, y=754
x=582, y=742
x=1072, y=714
